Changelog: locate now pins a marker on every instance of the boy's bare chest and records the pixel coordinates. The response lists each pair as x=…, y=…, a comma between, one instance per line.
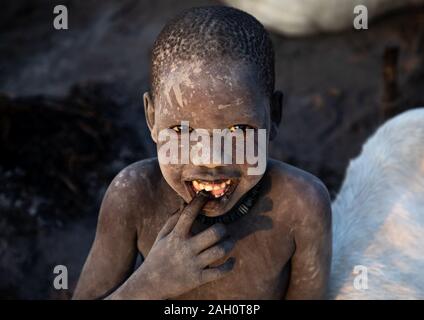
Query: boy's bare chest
x=262, y=253
x=261, y=271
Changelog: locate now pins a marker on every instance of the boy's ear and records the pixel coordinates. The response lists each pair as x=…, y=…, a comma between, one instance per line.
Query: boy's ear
x=149, y=112
x=276, y=113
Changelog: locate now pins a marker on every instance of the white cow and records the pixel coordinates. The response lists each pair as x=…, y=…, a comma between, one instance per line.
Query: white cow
x=378, y=216
x=304, y=17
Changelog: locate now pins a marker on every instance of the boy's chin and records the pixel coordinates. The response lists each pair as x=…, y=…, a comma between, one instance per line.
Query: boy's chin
x=218, y=207
x=214, y=208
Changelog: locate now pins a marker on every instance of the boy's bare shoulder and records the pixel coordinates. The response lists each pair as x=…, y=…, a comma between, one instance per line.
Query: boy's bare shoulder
x=135, y=187
x=138, y=176
x=299, y=193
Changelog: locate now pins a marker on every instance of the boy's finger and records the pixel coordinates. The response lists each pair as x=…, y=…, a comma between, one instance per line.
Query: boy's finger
x=216, y=253
x=169, y=225
x=208, y=237
x=190, y=212
x=212, y=274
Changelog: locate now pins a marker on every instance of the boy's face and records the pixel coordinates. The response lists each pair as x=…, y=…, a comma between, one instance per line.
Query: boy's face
x=218, y=96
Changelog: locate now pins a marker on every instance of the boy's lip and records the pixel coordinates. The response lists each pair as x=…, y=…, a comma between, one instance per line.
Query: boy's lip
x=211, y=175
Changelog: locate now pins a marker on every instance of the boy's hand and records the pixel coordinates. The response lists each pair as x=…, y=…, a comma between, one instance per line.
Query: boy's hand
x=178, y=262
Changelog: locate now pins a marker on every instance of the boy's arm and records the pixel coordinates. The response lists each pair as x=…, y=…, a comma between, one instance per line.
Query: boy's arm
x=113, y=254
x=311, y=262
x=177, y=262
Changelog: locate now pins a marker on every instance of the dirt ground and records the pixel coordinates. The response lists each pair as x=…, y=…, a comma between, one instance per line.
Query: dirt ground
x=71, y=115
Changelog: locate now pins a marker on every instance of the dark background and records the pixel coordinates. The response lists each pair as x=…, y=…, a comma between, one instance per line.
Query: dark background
x=71, y=115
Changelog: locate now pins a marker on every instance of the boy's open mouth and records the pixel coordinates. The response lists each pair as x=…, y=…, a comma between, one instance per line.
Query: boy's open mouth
x=215, y=188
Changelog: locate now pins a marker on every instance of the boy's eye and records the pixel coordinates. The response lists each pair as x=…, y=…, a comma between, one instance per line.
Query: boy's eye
x=242, y=127
x=180, y=128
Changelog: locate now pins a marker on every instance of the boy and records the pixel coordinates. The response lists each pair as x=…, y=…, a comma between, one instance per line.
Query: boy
x=211, y=230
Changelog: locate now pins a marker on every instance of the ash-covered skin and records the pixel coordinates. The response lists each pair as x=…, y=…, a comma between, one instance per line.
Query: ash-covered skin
x=280, y=249
x=210, y=95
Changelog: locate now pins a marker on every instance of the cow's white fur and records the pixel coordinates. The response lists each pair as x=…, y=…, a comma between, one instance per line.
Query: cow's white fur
x=378, y=216
x=304, y=17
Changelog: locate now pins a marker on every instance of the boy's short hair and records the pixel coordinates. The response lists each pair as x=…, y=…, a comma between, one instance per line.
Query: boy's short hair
x=214, y=32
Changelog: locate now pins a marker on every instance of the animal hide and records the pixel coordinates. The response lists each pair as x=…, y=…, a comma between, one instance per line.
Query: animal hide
x=305, y=17
x=378, y=216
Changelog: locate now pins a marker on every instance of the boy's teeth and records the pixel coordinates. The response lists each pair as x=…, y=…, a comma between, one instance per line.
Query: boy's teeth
x=216, y=189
